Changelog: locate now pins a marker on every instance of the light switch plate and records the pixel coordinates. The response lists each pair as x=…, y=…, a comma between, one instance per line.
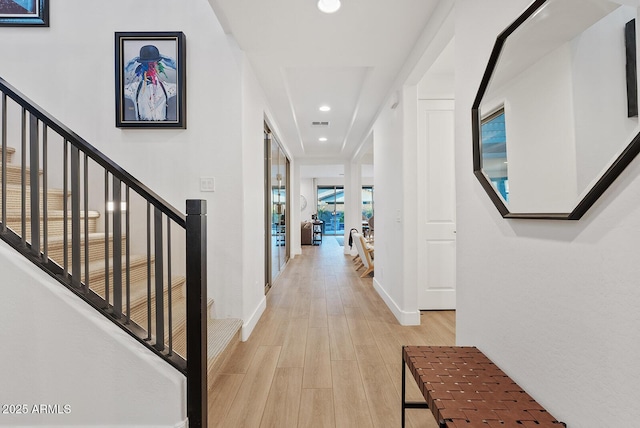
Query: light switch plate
x=207, y=184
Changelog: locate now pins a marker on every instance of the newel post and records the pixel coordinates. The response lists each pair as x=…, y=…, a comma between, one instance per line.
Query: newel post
x=197, y=313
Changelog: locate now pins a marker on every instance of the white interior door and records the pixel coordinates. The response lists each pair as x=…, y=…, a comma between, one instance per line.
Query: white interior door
x=436, y=205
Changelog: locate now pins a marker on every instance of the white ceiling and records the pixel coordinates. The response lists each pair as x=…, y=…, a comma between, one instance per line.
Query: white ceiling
x=304, y=58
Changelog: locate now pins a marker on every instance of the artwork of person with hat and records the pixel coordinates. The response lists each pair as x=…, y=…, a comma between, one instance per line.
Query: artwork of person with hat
x=148, y=86
x=17, y=7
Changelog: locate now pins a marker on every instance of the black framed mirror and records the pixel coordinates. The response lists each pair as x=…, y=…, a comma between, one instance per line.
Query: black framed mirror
x=555, y=120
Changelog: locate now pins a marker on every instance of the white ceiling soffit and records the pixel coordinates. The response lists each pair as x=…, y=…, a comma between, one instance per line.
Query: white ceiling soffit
x=332, y=171
x=321, y=171
x=343, y=84
x=304, y=58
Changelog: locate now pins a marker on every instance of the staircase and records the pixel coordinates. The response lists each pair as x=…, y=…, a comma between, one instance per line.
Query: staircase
x=123, y=254
x=222, y=334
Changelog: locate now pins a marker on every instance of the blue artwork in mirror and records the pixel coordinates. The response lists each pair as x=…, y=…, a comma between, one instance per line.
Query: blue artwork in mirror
x=494, y=152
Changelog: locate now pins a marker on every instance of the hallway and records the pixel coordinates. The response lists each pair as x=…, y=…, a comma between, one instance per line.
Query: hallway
x=326, y=353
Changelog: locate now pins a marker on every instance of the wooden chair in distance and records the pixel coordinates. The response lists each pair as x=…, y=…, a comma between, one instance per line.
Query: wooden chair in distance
x=365, y=252
x=356, y=259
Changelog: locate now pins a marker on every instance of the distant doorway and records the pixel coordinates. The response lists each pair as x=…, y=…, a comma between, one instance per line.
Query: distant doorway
x=331, y=209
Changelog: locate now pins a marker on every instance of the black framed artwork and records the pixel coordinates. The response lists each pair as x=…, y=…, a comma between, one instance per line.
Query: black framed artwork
x=150, y=80
x=24, y=13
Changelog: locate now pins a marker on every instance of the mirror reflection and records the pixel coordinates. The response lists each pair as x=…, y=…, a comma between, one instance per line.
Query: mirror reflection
x=494, y=152
x=558, y=109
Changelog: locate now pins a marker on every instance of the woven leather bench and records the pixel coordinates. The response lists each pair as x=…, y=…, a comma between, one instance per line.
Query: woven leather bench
x=463, y=388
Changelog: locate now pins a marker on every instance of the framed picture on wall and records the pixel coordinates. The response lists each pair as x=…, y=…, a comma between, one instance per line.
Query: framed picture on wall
x=150, y=80
x=19, y=13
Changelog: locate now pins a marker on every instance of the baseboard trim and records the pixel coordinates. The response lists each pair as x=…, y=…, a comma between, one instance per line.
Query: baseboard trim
x=250, y=324
x=403, y=317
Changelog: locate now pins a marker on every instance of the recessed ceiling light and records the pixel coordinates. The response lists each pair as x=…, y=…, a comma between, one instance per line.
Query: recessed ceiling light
x=329, y=6
x=322, y=139
x=325, y=108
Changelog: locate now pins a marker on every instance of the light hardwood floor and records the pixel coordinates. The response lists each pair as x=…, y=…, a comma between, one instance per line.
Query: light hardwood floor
x=326, y=353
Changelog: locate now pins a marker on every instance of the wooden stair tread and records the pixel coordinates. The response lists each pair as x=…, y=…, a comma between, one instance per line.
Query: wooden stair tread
x=97, y=270
x=93, y=236
x=12, y=166
x=178, y=320
x=135, y=260
x=220, y=333
x=222, y=338
x=138, y=293
x=18, y=186
x=14, y=173
x=10, y=152
x=51, y=214
x=55, y=197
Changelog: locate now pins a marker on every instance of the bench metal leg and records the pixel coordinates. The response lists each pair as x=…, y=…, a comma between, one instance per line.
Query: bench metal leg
x=404, y=381
x=408, y=404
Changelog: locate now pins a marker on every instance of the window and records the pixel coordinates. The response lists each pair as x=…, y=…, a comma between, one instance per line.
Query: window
x=367, y=202
x=494, y=152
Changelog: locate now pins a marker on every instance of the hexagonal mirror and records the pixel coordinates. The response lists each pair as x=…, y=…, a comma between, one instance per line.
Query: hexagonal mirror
x=555, y=120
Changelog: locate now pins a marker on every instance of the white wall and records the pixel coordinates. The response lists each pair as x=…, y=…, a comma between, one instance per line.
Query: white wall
x=540, y=152
x=307, y=190
x=395, y=190
x=553, y=303
x=254, y=112
x=352, y=203
x=57, y=350
x=599, y=59
x=437, y=87
x=68, y=69
x=395, y=146
x=252, y=231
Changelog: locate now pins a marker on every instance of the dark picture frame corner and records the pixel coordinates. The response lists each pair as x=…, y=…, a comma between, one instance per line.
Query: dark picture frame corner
x=150, y=79
x=24, y=13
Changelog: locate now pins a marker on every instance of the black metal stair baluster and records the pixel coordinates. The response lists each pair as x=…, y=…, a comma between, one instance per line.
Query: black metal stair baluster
x=34, y=185
x=106, y=238
x=4, y=162
x=23, y=183
x=76, y=267
x=159, y=275
x=117, y=248
x=86, y=223
x=65, y=208
x=128, y=252
x=148, y=271
x=169, y=284
x=45, y=188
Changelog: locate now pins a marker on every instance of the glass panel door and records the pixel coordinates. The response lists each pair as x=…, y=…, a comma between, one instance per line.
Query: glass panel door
x=283, y=252
x=367, y=202
x=276, y=207
x=367, y=211
x=331, y=209
x=277, y=246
